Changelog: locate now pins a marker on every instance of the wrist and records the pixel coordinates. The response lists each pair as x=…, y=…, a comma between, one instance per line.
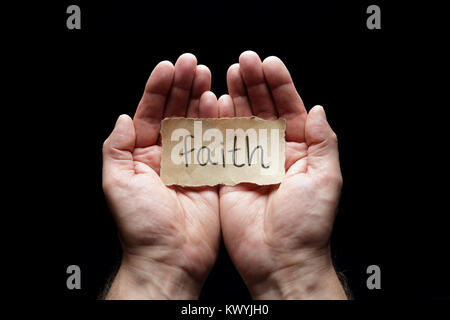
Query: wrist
x=311, y=278
x=140, y=278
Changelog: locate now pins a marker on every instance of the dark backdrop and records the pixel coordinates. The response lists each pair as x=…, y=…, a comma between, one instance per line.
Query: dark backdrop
x=364, y=79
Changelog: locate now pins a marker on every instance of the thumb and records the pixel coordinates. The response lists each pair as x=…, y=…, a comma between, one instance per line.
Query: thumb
x=323, y=155
x=119, y=146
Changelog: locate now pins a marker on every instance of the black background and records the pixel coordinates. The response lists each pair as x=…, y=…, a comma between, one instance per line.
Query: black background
x=367, y=80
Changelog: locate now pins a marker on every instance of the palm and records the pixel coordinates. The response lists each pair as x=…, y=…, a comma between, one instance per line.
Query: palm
x=261, y=225
x=274, y=219
x=171, y=218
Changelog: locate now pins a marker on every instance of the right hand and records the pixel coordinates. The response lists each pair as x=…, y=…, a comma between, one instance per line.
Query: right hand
x=278, y=235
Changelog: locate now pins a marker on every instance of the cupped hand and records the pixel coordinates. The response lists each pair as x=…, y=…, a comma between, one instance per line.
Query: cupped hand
x=169, y=235
x=278, y=235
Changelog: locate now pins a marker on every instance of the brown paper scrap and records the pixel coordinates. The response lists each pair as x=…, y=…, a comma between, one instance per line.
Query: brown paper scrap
x=211, y=151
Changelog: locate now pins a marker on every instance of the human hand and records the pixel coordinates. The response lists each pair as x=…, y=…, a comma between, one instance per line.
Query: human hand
x=169, y=235
x=278, y=235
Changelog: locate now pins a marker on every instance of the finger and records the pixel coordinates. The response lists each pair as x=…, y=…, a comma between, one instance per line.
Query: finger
x=236, y=89
x=147, y=119
x=119, y=146
x=180, y=92
x=226, y=107
x=257, y=90
x=208, y=105
x=323, y=155
x=288, y=103
x=181, y=88
x=209, y=108
x=202, y=83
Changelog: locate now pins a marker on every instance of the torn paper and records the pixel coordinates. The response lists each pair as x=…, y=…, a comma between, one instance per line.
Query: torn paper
x=210, y=151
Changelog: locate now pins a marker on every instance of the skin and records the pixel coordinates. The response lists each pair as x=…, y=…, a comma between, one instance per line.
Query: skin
x=170, y=235
x=280, y=245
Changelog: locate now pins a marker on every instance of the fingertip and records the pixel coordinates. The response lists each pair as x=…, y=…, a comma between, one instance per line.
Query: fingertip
x=235, y=83
x=188, y=57
x=123, y=134
x=202, y=81
x=161, y=78
x=225, y=101
x=233, y=74
x=319, y=110
x=249, y=61
x=247, y=56
x=165, y=63
x=186, y=62
x=185, y=68
x=251, y=68
x=272, y=59
x=203, y=75
x=124, y=124
x=208, y=96
x=273, y=64
x=208, y=105
x=164, y=69
x=317, y=128
x=226, y=106
x=224, y=97
x=123, y=119
x=124, y=116
x=233, y=69
x=203, y=68
x=275, y=72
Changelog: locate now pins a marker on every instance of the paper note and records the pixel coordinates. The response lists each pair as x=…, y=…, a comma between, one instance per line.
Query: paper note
x=210, y=151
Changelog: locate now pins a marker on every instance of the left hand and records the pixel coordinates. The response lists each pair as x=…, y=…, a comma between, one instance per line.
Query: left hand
x=170, y=235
